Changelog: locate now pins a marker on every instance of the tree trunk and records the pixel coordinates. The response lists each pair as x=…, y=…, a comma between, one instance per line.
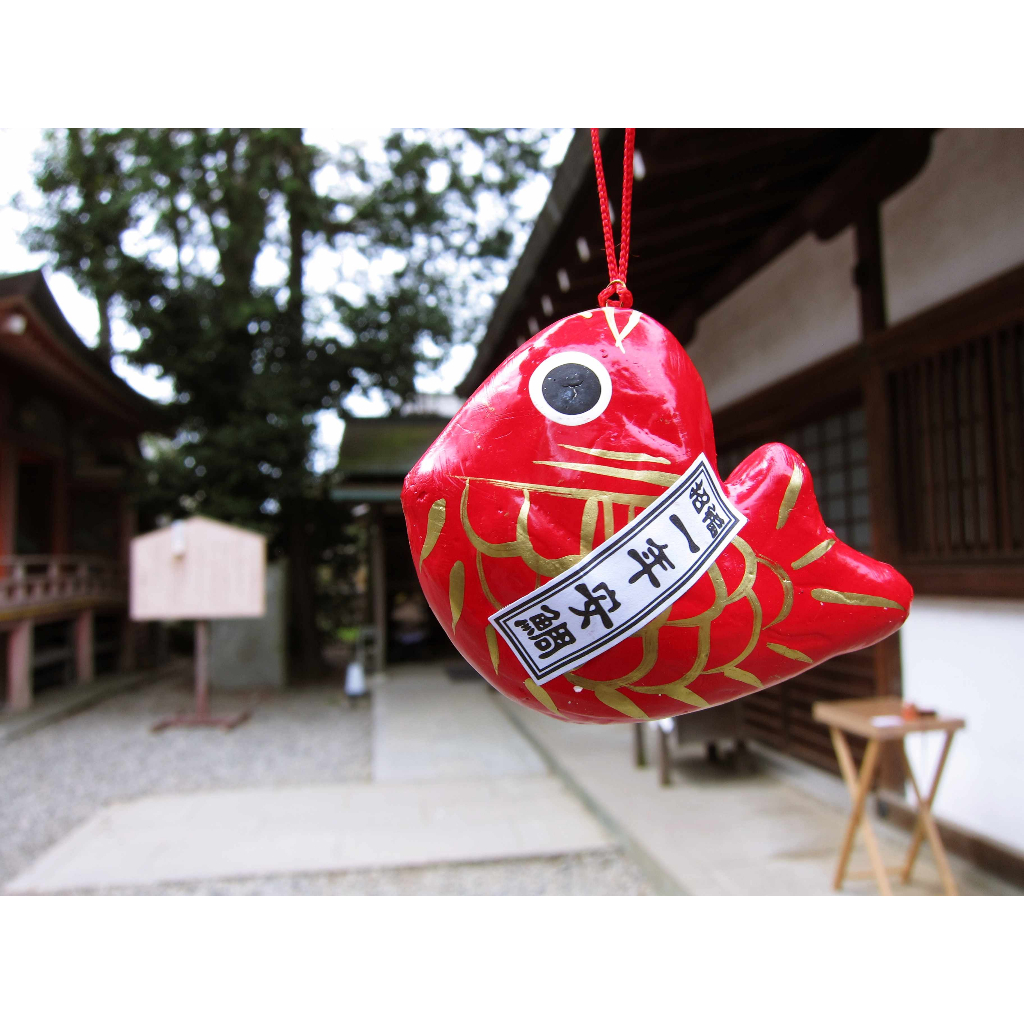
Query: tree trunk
x=308, y=655
x=105, y=347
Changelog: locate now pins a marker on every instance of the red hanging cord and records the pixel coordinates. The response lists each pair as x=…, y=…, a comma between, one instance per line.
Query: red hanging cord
x=616, y=268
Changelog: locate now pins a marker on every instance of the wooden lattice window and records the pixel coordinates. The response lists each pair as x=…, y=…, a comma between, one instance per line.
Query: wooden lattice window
x=835, y=450
x=957, y=419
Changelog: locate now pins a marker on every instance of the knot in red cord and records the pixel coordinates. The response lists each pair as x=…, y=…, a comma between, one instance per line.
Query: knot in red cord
x=616, y=267
x=625, y=299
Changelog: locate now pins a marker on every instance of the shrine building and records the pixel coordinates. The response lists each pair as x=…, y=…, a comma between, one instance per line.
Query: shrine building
x=69, y=430
x=858, y=295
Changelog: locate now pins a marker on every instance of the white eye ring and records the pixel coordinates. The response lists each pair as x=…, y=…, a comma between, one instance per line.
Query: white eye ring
x=551, y=363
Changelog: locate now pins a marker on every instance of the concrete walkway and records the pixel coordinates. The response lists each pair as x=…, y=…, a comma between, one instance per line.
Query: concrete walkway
x=772, y=830
x=426, y=727
x=454, y=782
x=289, y=830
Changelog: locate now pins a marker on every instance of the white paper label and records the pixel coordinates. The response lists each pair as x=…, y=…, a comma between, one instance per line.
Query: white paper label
x=624, y=582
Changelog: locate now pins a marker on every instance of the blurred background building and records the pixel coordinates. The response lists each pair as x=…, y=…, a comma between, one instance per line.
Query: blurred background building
x=69, y=429
x=858, y=295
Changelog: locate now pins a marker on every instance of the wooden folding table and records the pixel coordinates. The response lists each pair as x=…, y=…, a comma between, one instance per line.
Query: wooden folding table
x=879, y=720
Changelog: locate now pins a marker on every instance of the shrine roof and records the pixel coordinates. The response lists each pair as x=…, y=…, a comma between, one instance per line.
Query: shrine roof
x=385, y=448
x=36, y=336
x=711, y=207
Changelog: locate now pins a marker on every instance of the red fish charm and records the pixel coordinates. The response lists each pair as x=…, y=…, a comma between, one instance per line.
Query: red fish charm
x=570, y=440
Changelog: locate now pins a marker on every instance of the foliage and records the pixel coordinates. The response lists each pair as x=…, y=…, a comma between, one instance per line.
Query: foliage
x=203, y=245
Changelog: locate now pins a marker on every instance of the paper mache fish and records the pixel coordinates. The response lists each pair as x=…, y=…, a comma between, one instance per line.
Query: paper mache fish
x=570, y=442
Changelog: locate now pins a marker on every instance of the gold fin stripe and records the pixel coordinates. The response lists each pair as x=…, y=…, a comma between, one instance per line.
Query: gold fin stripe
x=641, y=500
x=796, y=481
x=646, y=476
x=814, y=554
x=787, y=590
x=541, y=695
x=788, y=652
x=618, y=456
x=435, y=524
x=483, y=584
x=492, y=644
x=619, y=701
x=457, y=592
x=589, y=525
x=741, y=675
x=609, y=518
x=860, y=600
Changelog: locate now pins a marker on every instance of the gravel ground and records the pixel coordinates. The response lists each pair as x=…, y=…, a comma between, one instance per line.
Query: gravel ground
x=589, y=874
x=56, y=778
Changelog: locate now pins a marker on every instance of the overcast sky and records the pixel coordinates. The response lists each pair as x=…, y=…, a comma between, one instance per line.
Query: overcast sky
x=17, y=149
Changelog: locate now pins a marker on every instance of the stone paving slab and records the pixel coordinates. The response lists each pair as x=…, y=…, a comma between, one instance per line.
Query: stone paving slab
x=286, y=830
x=718, y=830
x=427, y=727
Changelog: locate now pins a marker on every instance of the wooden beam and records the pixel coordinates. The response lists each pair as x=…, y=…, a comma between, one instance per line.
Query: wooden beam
x=859, y=182
x=869, y=277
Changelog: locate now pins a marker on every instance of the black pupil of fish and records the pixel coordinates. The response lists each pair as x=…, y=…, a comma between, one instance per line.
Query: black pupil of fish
x=571, y=389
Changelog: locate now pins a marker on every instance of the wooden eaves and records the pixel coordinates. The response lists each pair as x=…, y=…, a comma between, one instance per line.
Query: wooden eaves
x=47, y=347
x=711, y=209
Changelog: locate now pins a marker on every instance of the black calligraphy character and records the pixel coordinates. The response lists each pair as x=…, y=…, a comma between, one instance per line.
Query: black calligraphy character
x=524, y=626
x=553, y=640
x=698, y=496
x=544, y=618
x=678, y=524
x=653, y=558
x=713, y=521
x=593, y=605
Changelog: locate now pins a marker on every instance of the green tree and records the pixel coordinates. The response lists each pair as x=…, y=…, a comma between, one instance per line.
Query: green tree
x=201, y=242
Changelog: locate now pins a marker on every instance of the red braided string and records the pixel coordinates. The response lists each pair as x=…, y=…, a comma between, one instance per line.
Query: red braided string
x=616, y=268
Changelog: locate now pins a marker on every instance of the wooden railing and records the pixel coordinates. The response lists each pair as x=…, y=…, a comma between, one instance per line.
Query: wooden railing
x=28, y=581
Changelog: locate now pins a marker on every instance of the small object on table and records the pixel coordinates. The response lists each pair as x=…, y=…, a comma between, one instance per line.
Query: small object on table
x=880, y=720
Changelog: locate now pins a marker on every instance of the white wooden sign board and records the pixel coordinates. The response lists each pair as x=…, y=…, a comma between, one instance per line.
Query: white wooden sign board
x=198, y=568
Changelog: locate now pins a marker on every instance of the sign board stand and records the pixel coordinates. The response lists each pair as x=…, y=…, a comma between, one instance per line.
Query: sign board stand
x=201, y=715
x=199, y=569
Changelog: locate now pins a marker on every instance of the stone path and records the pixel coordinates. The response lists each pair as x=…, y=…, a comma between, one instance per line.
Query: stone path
x=289, y=830
x=425, y=727
x=453, y=782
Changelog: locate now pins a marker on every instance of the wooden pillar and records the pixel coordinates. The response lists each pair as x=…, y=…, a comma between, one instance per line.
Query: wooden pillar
x=202, y=668
x=869, y=276
x=380, y=589
x=127, y=655
x=8, y=498
x=85, y=661
x=19, y=666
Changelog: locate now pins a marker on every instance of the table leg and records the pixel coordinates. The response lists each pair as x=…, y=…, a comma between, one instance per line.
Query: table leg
x=925, y=824
x=859, y=788
x=664, y=759
x=918, y=834
x=639, y=751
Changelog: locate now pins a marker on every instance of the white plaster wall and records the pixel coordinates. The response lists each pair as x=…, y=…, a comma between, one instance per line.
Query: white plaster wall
x=959, y=222
x=963, y=656
x=799, y=309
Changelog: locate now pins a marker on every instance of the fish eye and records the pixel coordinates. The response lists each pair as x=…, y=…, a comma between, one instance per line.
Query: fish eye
x=571, y=388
